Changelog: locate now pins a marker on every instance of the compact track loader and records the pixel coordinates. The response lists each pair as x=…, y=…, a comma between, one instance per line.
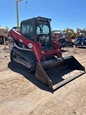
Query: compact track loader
x=34, y=48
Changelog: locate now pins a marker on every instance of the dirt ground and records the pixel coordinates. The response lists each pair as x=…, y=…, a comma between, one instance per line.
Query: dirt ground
x=22, y=94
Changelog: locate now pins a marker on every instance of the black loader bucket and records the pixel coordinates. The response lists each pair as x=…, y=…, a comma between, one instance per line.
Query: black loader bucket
x=56, y=73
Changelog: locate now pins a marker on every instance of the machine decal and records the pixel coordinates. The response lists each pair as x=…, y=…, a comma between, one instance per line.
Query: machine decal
x=30, y=45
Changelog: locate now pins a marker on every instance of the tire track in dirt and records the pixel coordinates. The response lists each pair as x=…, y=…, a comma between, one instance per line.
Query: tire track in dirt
x=14, y=88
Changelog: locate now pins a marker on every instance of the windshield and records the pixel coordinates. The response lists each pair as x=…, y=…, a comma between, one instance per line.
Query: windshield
x=42, y=29
x=43, y=33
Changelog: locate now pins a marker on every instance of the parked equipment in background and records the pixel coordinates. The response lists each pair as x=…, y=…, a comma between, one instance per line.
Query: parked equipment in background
x=34, y=48
x=80, y=32
x=3, y=34
x=71, y=33
x=80, y=41
x=63, y=38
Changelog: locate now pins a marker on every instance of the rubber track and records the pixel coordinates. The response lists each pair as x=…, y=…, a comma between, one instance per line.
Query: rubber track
x=27, y=55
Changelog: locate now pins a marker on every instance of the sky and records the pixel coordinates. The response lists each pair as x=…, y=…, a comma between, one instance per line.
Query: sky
x=64, y=13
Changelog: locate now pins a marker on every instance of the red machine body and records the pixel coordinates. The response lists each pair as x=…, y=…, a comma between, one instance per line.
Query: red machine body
x=36, y=47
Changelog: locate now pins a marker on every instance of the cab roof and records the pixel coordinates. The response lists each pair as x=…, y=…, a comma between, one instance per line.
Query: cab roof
x=37, y=18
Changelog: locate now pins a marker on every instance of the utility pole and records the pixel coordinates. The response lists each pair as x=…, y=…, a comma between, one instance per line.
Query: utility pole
x=17, y=13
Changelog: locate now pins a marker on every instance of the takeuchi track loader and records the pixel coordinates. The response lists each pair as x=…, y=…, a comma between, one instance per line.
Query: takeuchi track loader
x=34, y=48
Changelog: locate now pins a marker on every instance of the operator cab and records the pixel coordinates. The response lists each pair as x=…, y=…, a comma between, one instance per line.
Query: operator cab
x=38, y=30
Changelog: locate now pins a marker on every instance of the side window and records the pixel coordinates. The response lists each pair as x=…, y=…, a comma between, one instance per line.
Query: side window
x=23, y=29
x=27, y=29
x=38, y=30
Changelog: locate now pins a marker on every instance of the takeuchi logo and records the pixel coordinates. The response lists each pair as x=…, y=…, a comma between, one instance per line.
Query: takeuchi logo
x=30, y=45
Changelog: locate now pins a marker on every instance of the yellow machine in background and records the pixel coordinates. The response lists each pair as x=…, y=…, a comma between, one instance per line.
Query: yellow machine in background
x=80, y=32
x=3, y=34
x=70, y=32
